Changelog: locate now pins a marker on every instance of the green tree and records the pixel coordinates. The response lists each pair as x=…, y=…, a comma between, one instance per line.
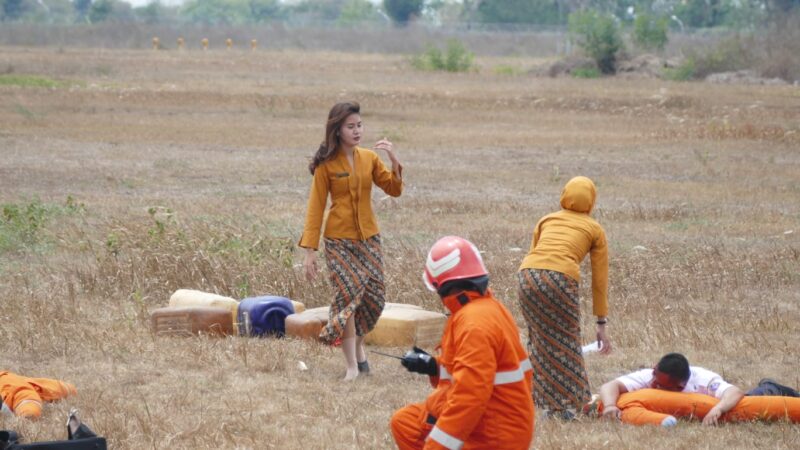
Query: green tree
x=13, y=9
x=599, y=37
x=547, y=12
x=446, y=11
x=263, y=10
x=401, y=11
x=48, y=11
x=702, y=13
x=100, y=11
x=650, y=32
x=214, y=12
x=355, y=11
x=82, y=9
x=327, y=10
x=151, y=13
x=783, y=6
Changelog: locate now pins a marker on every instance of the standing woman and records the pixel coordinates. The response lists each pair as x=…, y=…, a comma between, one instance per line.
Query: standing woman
x=548, y=295
x=352, y=244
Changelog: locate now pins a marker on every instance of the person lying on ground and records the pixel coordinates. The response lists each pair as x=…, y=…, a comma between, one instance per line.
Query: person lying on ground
x=24, y=396
x=715, y=397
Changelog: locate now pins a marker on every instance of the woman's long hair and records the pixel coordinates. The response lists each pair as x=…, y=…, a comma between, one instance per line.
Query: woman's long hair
x=327, y=149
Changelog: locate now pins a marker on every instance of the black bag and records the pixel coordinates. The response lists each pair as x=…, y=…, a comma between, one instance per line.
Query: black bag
x=83, y=439
x=8, y=438
x=95, y=443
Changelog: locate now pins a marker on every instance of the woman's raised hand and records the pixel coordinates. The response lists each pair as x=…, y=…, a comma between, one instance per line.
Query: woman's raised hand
x=387, y=146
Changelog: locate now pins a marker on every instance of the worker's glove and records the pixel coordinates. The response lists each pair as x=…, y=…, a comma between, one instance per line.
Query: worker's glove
x=418, y=360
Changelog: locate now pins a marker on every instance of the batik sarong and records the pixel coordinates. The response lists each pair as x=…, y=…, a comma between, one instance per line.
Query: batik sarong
x=550, y=303
x=356, y=274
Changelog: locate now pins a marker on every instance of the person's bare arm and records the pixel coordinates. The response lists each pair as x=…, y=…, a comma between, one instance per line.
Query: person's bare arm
x=729, y=399
x=609, y=393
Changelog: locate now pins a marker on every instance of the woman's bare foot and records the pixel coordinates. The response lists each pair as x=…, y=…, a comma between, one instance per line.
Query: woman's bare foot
x=351, y=374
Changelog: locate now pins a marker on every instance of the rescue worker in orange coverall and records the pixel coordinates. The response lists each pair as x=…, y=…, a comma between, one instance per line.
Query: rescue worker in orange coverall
x=482, y=376
x=24, y=396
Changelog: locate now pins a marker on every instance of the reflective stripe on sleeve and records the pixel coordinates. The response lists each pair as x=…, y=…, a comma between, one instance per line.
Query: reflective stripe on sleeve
x=512, y=376
x=444, y=374
x=5, y=409
x=445, y=439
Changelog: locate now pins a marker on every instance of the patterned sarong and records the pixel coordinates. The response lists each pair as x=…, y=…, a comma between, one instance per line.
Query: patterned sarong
x=550, y=304
x=356, y=273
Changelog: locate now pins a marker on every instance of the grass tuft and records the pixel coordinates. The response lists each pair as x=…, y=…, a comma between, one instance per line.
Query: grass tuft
x=32, y=81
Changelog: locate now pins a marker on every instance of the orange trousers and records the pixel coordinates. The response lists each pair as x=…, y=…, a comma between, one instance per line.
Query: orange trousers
x=24, y=396
x=409, y=426
x=652, y=406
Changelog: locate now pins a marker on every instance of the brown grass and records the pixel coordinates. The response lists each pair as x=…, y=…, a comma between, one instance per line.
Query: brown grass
x=192, y=171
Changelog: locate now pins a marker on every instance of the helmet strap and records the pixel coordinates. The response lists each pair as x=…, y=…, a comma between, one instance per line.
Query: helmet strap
x=476, y=284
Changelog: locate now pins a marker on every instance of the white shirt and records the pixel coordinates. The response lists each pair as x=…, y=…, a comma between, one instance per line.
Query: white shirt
x=701, y=381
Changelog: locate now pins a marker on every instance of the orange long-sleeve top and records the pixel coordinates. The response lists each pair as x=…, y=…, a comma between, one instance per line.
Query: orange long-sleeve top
x=23, y=396
x=562, y=239
x=350, y=189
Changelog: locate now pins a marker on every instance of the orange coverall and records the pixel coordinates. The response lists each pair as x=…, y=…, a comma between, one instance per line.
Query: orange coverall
x=23, y=396
x=652, y=406
x=483, y=392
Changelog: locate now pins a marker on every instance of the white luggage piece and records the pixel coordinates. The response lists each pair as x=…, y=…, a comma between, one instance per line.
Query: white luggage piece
x=189, y=297
x=406, y=325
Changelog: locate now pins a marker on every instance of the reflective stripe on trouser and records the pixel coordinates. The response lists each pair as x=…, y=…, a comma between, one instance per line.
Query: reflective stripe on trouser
x=551, y=307
x=652, y=406
x=451, y=442
x=410, y=426
x=356, y=273
x=503, y=377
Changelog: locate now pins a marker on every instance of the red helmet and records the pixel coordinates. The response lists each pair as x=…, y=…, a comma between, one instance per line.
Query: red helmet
x=452, y=258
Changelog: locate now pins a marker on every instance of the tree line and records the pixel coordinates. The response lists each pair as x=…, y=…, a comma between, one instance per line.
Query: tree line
x=678, y=14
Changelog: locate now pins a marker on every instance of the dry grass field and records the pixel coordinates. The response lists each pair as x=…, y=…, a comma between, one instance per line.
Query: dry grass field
x=127, y=174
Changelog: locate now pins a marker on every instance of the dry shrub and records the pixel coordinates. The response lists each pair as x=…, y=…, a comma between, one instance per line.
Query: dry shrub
x=633, y=211
x=772, y=52
x=734, y=53
x=749, y=131
x=727, y=131
x=161, y=256
x=781, y=50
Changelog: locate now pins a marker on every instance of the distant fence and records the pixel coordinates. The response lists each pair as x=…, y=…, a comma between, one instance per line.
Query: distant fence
x=386, y=39
x=482, y=39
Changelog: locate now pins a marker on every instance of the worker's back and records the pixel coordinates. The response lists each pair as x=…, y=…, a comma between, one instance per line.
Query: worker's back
x=482, y=353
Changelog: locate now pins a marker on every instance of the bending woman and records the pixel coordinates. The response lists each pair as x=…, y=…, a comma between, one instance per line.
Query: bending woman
x=352, y=244
x=548, y=296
